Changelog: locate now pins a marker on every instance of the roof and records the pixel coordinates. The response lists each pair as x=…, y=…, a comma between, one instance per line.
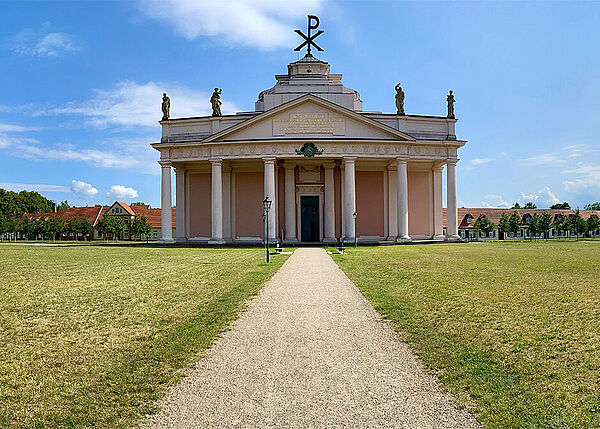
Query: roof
x=90, y=213
x=494, y=214
x=95, y=213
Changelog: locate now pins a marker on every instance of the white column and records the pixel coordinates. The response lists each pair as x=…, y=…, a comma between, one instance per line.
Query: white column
x=452, y=214
x=329, y=227
x=290, y=203
x=349, y=198
x=180, y=204
x=402, y=201
x=270, y=192
x=216, y=215
x=438, y=229
x=166, y=212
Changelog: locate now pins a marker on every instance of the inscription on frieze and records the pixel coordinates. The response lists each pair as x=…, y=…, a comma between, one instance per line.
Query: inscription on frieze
x=310, y=123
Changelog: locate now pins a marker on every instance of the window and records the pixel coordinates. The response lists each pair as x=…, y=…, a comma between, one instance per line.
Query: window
x=155, y=234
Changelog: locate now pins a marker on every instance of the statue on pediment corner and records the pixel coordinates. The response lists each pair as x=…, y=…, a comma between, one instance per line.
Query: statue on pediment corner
x=450, y=99
x=399, y=100
x=166, y=107
x=215, y=101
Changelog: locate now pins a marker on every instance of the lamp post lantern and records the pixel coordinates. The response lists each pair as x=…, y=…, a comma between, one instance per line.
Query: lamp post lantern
x=267, y=207
x=355, y=235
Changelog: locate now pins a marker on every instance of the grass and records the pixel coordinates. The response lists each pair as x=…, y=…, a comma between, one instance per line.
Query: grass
x=512, y=329
x=91, y=336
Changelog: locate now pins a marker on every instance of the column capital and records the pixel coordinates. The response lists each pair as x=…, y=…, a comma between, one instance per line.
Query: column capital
x=179, y=171
x=401, y=159
x=269, y=159
x=215, y=160
x=288, y=165
x=348, y=159
x=452, y=161
x=329, y=164
x=165, y=164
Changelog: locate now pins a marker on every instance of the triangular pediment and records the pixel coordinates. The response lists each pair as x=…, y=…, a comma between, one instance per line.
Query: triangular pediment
x=309, y=117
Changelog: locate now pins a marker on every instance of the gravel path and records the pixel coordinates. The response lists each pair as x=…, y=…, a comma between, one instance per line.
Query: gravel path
x=309, y=352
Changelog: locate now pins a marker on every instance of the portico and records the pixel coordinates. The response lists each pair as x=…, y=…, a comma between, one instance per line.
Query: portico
x=320, y=159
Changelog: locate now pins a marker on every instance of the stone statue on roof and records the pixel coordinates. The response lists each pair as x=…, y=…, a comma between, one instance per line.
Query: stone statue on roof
x=215, y=101
x=166, y=106
x=450, y=99
x=399, y=100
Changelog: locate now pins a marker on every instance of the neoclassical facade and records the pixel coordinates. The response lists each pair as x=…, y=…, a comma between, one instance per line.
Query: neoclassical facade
x=333, y=171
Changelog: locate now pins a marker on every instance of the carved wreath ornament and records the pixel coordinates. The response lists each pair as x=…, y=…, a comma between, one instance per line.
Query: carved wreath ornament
x=309, y=150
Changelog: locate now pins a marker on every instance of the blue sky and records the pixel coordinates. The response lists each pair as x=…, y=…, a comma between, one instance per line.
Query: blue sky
x=81, y=85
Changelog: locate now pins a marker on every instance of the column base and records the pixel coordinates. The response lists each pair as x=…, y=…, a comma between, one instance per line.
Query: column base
x=349, y=240
x=290, y=241
x=165, y=241
x=216, y=241
x=181, y=240
x=330, y=240
x=403, y=239
x=439, y=237
x=453, y=238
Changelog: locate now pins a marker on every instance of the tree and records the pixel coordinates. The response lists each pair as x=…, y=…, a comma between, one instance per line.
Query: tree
x=85, y=227
x=561, y=206
x=111, y=225
x=593, y=224
x=138, y=203
x=516, y=206
x=26, y=227
x=139, y=226
x=592, y=206
x=63, y=206
x=534, y=226
x=559, y=223
x=503, y=225
x=529, y=206
x=544, y=223
x=73, y=227
x=514, y=223
x=577, y=224
x=12, y=203
x=485, y=225
x=54, y=226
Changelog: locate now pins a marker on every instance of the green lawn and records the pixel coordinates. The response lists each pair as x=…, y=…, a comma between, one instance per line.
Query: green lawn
x=513, y=329
x=93, y=335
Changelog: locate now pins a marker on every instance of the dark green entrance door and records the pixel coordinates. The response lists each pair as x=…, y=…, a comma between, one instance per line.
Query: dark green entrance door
x=309, y=213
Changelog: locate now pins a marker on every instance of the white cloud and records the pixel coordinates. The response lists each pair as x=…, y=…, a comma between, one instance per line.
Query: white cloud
x=131, y=104
x=589, y=177
x=544, y=159
x=82, y=188
x=262, y=24
x=478, y=161
x=133, y=153
x=121, y=192
x=543, y=198
x=494, y=200
x=42, y=43
x=18, y=187
x=13, y=128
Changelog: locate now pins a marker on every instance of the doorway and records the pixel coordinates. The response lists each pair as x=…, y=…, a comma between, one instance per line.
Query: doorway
x=309, y=219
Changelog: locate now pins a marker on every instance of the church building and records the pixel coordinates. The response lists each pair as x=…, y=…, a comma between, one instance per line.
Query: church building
x=330, y=170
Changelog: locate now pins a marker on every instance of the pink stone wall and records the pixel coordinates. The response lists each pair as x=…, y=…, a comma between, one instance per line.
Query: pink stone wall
x=249, y=194
x=369, y=203
x=200, y=194
x=419, y=205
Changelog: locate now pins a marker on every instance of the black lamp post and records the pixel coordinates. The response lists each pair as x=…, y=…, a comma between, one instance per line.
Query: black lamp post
x=355, y=236
x=267, y=206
